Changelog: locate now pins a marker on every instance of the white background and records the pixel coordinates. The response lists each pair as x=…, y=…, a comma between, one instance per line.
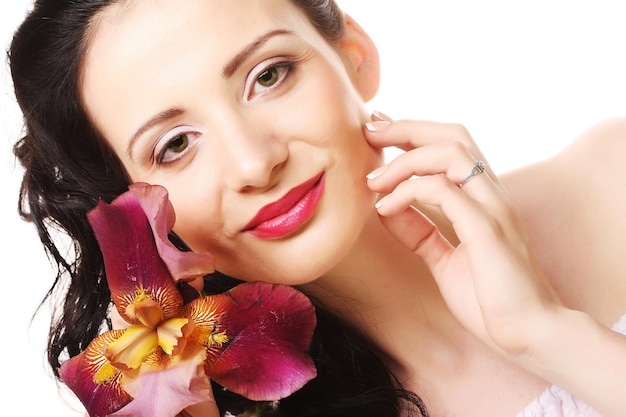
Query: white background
x=524, y=77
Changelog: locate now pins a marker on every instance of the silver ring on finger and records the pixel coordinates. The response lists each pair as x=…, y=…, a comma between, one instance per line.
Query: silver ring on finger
x=479, y=168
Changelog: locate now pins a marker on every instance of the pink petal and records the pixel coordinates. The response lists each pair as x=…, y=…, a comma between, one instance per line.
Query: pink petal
x=131, y=258
x=182, y=265
x=78, y=374
x=167, y=392
x=269, y=328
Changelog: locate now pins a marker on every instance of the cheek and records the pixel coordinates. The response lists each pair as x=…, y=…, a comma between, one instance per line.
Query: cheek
x=325, y=105
x=198, y=217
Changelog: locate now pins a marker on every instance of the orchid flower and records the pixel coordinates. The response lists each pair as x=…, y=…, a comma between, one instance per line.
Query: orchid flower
x=252, y=339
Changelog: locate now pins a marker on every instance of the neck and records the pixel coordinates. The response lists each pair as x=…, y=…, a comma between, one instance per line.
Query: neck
x=388, y=293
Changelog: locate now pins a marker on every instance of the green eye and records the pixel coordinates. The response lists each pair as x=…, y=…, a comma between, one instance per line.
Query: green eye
x=269, y=77
x=175, y=147
x=179, y=144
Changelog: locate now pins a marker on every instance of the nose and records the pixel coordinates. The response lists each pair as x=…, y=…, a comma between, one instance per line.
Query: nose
x=254, y=154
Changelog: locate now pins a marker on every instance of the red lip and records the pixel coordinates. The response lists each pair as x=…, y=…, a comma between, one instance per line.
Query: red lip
x=290, y=212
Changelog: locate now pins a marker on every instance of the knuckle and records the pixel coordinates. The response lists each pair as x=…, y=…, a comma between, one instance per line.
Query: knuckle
x=461, y=134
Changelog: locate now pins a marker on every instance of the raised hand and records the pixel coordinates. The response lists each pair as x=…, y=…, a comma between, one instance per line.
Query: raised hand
x=489, y=278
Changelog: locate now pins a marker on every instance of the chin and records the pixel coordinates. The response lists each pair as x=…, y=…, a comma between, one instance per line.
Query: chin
x=295, y=260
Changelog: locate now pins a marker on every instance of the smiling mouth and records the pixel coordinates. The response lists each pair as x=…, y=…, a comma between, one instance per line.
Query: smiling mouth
x=287, y=214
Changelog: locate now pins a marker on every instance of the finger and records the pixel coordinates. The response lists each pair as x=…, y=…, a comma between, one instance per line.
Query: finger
x=466, y=215
x=415, y=231
x=410, y=134
x=413, y=133
x=450, y=159
x=378, y=116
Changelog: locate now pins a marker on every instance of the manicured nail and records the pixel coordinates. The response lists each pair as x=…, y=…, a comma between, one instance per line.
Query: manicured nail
x=380, y=116
x=375, y=173
x=377, y=126
x=381, y=202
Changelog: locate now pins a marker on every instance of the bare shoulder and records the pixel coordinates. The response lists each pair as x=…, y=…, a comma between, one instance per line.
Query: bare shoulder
x=573, y=207
x=592, y=172
x=592, y=163
x=603, y=146
x=588, y=160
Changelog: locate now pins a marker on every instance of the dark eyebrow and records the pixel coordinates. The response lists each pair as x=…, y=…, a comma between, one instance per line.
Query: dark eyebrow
x=234, y=63
x=161, y=117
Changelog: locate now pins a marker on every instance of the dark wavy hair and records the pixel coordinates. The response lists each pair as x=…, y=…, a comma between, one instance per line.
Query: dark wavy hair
x=68, y=167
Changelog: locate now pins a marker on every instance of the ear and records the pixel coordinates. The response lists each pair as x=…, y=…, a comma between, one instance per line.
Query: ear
x=361, y=58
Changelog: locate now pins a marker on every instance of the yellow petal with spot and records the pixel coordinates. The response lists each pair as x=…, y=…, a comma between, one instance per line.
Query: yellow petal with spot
x=107, y=374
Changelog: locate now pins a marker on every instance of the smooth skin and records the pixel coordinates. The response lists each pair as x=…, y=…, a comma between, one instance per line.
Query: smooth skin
x=483, y=295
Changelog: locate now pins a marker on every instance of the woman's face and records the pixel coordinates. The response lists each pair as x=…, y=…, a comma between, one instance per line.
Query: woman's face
x=248, y=117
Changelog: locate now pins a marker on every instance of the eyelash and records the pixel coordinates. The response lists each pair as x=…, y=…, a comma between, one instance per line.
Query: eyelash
x=285, y=70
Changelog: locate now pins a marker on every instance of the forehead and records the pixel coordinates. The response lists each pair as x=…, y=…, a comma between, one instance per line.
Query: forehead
x=137, y=25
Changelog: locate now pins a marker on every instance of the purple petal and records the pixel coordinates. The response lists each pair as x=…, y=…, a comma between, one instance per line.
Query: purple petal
x=269, y=329
x=167, y=392
x=131, y=258
x=99, y=399
x=158, y=209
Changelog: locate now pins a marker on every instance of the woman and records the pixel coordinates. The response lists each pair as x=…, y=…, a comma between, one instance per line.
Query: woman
x=267, y=133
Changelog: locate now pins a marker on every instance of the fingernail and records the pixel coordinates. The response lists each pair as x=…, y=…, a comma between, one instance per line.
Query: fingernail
x=381, y=202
x=375, y=173
x=377, y=125
x=380, y=116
